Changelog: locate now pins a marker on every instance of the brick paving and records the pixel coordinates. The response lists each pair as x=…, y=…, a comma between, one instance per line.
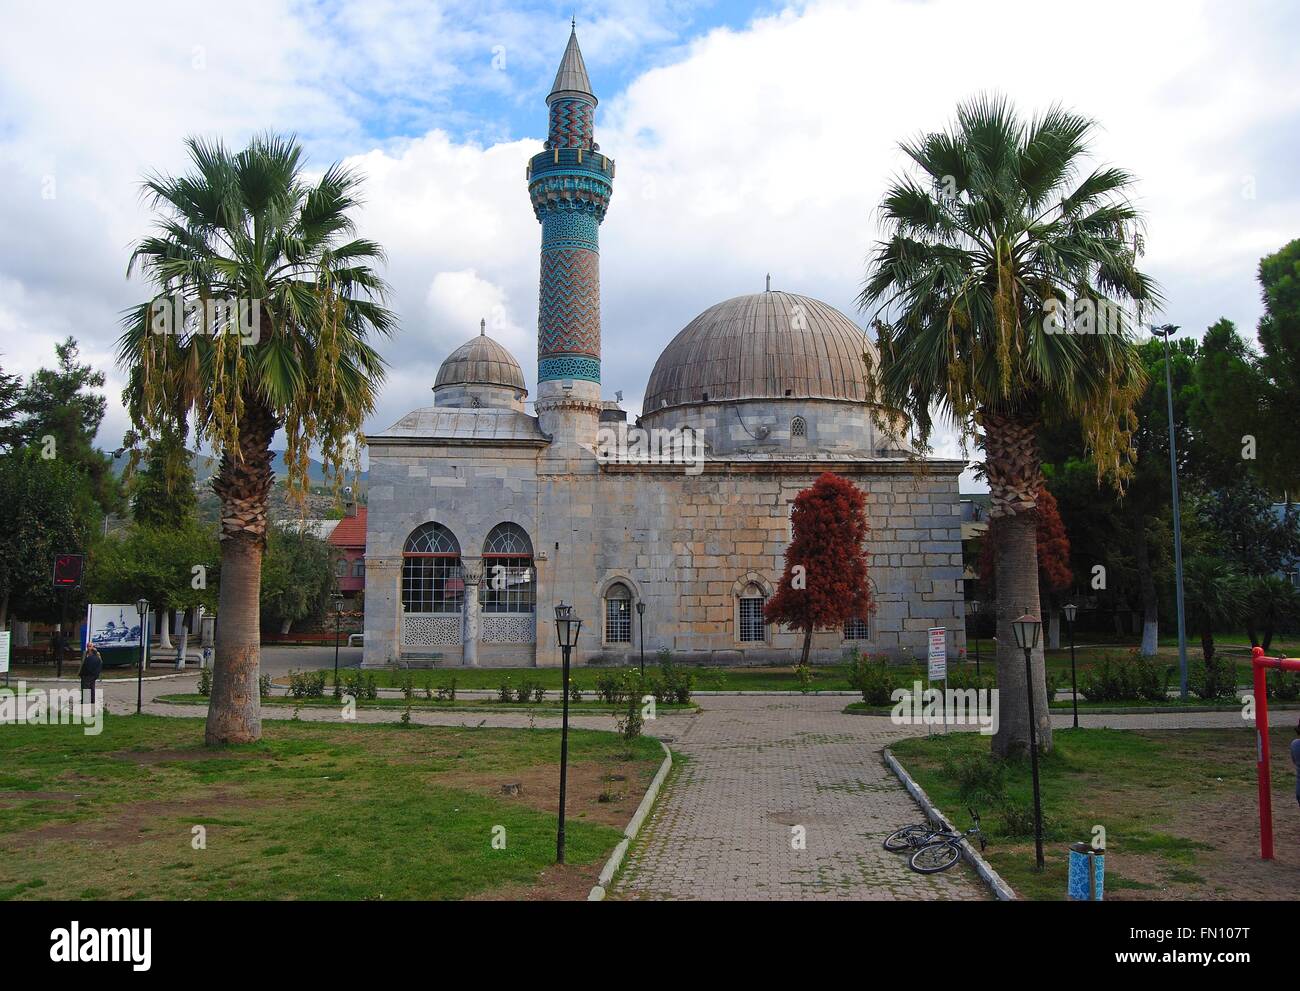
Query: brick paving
x=754, y=768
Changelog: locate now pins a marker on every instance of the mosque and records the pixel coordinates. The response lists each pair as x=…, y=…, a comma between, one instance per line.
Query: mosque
x=668, y=532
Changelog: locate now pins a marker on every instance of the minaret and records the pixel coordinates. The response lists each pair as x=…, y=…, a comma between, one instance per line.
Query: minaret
x=570, y=184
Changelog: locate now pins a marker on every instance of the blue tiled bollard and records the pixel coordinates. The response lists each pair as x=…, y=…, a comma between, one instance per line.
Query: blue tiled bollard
x=1081, y=855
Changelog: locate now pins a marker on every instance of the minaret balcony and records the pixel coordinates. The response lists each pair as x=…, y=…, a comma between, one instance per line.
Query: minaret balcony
x=580, y=160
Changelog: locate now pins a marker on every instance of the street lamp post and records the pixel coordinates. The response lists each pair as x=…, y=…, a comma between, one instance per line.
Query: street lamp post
x=338, y=605
x=1070, y=611
x=567, y=627
x=1166, y=331
x=640, y=611
x=1027, y=630
x=141, y=607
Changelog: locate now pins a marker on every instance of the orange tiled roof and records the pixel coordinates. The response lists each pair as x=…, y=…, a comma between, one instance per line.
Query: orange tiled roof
x=351, y=531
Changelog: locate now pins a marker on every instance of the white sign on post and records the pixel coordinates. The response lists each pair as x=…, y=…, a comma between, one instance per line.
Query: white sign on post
x=938, y=654
x=4, y=652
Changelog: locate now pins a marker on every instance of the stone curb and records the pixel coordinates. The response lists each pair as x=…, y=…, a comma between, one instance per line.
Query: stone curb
x=109, y=681
x=987, y=874
x=597, y=893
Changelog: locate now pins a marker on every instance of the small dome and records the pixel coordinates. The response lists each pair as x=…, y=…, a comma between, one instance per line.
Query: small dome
x=768, y=345
x=481, y=361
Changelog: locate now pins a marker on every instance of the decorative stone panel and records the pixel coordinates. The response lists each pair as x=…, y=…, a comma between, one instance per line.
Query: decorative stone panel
x=509, y=628
x=424, y=630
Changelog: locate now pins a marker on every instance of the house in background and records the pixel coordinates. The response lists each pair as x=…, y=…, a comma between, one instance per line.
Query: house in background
x=349, y=536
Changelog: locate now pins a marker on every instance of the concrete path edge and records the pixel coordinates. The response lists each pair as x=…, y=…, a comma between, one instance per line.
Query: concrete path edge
x=597, y=893
x=987, y=874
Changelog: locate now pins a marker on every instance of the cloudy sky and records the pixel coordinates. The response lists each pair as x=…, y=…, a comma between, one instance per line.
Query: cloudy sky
x=750, y=138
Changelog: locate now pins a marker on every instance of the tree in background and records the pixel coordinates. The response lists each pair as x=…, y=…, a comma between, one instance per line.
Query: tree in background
x=297, y=577
x=1005, y=226
x=158, y=563
x=1215, y=597
x=162, y=492
x=825, y=580
x=250, y=227
x=1279, y=340
x=58, y=412
x=48, y=510
x=11, y=388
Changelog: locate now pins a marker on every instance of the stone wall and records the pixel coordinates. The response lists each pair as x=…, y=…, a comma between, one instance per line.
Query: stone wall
x=684, y=544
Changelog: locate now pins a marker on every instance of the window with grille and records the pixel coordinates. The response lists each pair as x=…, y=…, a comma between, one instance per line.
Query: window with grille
x=618, y=614
x=431, y=578
x=752, y=627
x=359, y=568
x=507, y=585
x=856, y=629
x=798, y=427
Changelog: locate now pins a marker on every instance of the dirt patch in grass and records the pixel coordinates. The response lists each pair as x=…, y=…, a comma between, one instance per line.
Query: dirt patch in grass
x=622, y=785
x=137, y=822
x=558, y=883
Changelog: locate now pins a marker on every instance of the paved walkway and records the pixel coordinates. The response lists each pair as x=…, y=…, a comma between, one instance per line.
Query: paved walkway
x=759, y=775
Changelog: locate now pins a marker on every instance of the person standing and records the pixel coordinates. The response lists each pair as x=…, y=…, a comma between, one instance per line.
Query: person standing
x=92, y=665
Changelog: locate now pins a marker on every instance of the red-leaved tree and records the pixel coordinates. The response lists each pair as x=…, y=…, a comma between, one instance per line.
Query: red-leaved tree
x=825, y=580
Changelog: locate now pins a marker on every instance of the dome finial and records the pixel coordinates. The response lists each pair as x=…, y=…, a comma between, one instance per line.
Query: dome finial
x=482, y=327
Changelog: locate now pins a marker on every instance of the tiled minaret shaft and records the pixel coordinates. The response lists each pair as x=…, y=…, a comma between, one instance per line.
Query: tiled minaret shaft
x=570, y=184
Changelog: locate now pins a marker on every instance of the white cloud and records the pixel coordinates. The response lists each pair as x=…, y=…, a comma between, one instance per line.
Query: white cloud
x=763, y=149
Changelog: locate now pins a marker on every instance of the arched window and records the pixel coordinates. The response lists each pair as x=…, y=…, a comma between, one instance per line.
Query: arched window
x=359, y=568
x=507, y=585
x=752, y=627
x=431, y=579
x=618, y=614
x=798, y=427
x=341, y=567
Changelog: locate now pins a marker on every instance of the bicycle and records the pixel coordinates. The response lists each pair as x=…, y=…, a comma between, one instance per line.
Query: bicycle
x=943, y=848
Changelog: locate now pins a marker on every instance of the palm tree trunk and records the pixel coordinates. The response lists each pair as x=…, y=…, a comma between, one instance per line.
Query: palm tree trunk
x=1012, y=467
x=243, y=483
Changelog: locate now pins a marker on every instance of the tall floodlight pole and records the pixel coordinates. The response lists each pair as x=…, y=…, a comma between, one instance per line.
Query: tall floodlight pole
x=1166, y=331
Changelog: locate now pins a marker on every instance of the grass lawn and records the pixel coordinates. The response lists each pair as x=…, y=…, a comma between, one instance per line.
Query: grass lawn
x=551, y=706
x=1178, y=806
x=313, y=811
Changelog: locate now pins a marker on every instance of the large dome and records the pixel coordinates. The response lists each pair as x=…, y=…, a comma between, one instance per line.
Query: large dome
x=482, y=361
x=769, y=345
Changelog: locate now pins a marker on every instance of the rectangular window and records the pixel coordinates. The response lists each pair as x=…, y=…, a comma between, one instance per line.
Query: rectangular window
x=618, y=621
x=432, y=585
x=752, y=628
x=856, y=629
x=507, y=585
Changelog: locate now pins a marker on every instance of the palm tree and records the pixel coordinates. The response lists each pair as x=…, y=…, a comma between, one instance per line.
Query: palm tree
x=986, y=247
x=249, y=226
x=1216, y=597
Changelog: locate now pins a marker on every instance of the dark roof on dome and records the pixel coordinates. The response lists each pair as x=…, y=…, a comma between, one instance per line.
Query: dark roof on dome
x=572, y=75
x=758, y=347
x=481, y=361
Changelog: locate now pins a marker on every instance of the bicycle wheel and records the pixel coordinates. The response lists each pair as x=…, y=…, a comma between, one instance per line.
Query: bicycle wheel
x=934, y=857
x=907, y=838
